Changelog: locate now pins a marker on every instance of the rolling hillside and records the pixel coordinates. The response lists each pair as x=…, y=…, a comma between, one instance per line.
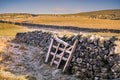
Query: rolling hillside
x=104, y=19
x=112, y=12
x=101, y=14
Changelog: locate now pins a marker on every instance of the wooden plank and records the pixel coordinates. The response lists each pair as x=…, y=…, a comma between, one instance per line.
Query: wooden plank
x=58, y=56
x=61, y=49
x=61, y=56
x=55, y=62
x=70, y=56
x=64, y=58
x=70, y=48
x=55, y=53
x=52, y=53
x=54, y=46
x=61, y=41
x=48, y=53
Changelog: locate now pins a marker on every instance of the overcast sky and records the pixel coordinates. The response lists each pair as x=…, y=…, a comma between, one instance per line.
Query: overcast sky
x=56, y=6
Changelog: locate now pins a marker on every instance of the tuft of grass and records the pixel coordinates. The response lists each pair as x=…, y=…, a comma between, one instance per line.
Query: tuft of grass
x=3, y=44
x=9, y=76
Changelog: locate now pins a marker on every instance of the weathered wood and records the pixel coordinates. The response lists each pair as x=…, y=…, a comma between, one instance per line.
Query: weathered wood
x=58, y=56
x=61, y=41
x=55, y=53
x=48, y=54
x=55, y=62
x=70, y=50
x=61, y=49
x=61, y=55
x=70, y=56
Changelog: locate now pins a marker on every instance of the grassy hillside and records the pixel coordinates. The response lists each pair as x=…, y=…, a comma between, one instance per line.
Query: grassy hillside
x=101, y=14
x=104, y=19
x=10, y=29
x=8, y=16
x=79, y=21
x=107, y=13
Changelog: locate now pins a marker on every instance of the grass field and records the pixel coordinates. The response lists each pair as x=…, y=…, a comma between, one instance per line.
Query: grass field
x=10, y=29
x=82, y=20
x=79, y=21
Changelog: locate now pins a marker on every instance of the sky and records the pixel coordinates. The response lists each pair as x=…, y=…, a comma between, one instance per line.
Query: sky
x=56, y=6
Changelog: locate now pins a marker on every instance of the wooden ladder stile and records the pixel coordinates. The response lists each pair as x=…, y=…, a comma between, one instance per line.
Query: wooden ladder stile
x=58, y=57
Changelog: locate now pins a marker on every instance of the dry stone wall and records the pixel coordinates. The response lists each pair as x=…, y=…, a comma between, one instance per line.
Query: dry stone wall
x=35, y=38
x=94, y=57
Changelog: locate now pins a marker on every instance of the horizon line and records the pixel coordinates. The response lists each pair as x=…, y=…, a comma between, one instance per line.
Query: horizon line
x=59, y=13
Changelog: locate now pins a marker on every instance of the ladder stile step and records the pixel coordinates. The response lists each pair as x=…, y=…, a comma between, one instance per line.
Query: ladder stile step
x=55, y=62
x=54, y=46
x=65, y=59
x=61, y=49
x=52, y=53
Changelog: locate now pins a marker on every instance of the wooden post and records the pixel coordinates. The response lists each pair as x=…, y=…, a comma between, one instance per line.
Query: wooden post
x=70, y=56
x=48, y=53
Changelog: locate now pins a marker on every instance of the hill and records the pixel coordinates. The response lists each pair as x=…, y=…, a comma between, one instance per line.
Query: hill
x=15, y=15
x=104, y=19
x=113, y=14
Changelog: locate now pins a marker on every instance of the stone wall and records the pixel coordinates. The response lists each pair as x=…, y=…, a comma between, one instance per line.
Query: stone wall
x=36, y=38
x=94, y=57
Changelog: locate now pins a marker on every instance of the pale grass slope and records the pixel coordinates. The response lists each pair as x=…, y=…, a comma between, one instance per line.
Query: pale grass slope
x=4, y=75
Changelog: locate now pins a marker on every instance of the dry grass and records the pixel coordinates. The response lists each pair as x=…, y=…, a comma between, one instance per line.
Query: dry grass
x=106, y=34
x=9, y=76
x=10, y=29
x=3, y=43
x=7, y=32
x=79, y=21
x=4, y=75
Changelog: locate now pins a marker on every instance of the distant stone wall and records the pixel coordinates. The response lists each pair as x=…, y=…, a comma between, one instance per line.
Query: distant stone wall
x=76, y=28
x=94, y=57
